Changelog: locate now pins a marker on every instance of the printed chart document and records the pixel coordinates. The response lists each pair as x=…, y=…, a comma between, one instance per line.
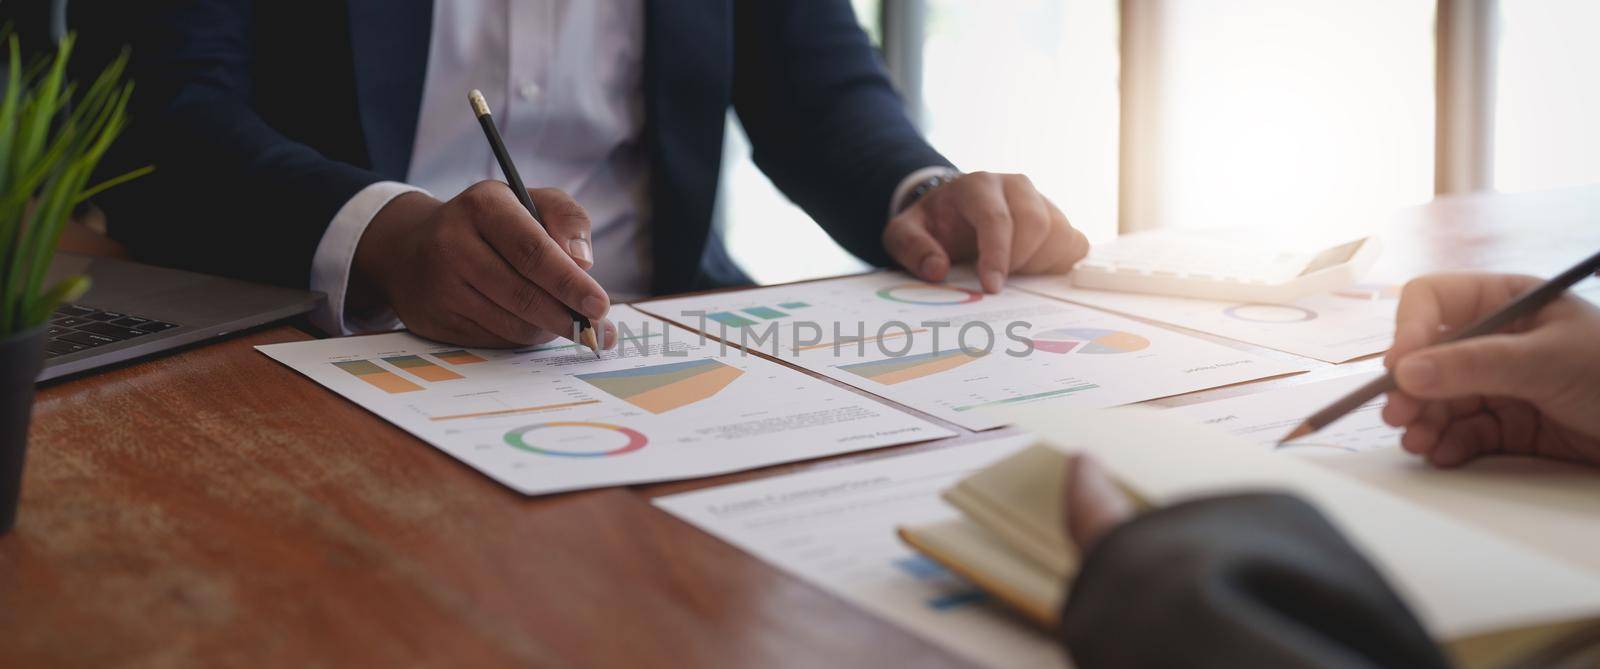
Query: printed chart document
x=552, y=418
x=836, y=529
x=1551, y=506
x=1336, y=327
x=952, y=351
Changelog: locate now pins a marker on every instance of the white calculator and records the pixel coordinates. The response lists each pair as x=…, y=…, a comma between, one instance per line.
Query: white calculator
x=1186, y=267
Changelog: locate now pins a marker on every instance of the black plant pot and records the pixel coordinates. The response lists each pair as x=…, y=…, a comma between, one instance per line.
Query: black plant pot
x=21, y=356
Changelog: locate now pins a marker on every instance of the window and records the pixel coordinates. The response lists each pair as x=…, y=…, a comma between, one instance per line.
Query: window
x=1050, y=113
x=769, y=237
x=1029, y=86
x=1547, y=110
x=1295, y=113
x=1300, y=114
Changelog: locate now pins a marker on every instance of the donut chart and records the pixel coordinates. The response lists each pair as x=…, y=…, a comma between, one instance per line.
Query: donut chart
x=576, y=439
x=1088, y=341
x=929, y=294
x=1255, y=312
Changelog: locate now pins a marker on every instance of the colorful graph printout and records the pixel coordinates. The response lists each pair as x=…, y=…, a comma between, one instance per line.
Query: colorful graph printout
x=929, y=294
x=731, y=319
x=459, y=357
x=1270, y=313
x=662, y=388
x=905, y=368
x=767, y=313
x=1089, y=341
x=380, y=378
x=576, y=439
x=422, y=368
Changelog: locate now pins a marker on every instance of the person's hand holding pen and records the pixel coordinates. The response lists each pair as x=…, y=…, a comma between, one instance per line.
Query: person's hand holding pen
x=478, y=270
x=1000, y=220
x=1533, y=389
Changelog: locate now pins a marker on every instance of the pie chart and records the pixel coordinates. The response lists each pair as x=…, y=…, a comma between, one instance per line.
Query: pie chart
x=1088, y=341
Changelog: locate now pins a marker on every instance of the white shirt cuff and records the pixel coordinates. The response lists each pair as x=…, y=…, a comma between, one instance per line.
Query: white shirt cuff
x=903, y=191
x=330, y=267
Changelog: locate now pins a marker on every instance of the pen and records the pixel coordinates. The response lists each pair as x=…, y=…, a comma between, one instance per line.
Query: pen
x=1525, y=304
x=586, y=332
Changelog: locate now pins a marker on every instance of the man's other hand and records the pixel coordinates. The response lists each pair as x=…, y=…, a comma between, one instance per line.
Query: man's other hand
x=478, y=270
x=1000, y=219
x=1533, y=389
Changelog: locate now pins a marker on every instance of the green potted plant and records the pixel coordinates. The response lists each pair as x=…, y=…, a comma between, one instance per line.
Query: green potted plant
x=52, y=136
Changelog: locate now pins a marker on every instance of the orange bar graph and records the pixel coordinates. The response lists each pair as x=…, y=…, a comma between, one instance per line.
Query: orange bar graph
x=459, y=357
x=422, y=368
x=380, y=378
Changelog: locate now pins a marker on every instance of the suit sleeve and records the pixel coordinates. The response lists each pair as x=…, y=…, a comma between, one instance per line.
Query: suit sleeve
x=242, y=199
x=1259, y=580
x=825, y=125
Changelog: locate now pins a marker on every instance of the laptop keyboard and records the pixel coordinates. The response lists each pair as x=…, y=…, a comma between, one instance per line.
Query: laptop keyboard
x=75, y=328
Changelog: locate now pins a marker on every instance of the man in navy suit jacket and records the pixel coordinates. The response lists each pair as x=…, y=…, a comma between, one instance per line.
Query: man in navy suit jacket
x=270, y=120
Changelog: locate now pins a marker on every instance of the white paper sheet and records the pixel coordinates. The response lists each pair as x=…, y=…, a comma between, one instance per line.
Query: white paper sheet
x=836, y=529
x=1551, y=506
x=553, y=418
x=953, y=352
x=1335, y=327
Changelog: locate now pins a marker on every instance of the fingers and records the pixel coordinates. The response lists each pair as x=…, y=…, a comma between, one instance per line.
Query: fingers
x=908, y=241
x=525, y=246
x=451, y=325
x=503, y=324
x=1061, y=250
x=494, y=280
x=986, y=211
x=1423, y=433
x=1448, y=301
x=1030, y=219
x=1498, y=364
x=1013, y=227
x=605, y=333
x=1094, y=503
x=1401, y=409
x=567, y=223
x=1465, y=439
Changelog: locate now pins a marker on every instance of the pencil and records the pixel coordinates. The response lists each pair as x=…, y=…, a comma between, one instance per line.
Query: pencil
x=586, y=332
x=1525, y=304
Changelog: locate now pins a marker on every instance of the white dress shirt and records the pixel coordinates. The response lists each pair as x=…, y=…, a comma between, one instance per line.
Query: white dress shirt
x=564, y=78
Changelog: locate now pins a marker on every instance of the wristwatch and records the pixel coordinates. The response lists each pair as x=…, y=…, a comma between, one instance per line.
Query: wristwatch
x=924, y=187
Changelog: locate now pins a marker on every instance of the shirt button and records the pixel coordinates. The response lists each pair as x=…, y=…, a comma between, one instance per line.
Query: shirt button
x=529, y=90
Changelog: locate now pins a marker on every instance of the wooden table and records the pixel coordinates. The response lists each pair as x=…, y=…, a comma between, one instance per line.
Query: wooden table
x=214, y=508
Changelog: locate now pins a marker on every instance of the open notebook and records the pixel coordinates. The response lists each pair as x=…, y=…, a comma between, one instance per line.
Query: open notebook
x=1489, y=600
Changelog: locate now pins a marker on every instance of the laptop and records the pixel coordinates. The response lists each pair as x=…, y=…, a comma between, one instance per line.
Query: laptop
x=134, y=310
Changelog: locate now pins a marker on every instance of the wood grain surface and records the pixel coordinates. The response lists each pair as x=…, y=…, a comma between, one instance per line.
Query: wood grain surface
x=213, y=508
